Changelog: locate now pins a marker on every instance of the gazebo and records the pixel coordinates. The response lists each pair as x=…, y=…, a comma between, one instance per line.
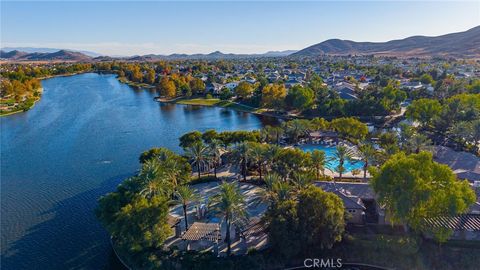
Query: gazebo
x=203, y=231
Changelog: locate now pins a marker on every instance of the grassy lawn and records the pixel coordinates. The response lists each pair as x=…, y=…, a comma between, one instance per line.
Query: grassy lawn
x=200, y=101
x=217, y=102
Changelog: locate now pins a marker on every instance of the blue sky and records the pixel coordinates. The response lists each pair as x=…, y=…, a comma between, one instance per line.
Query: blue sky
x=127, y=28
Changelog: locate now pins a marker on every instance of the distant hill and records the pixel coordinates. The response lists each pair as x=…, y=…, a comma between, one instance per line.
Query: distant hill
x=61, y=55
x=47, y=50
x=463, y=44
x=209, y=56
x=12, y=54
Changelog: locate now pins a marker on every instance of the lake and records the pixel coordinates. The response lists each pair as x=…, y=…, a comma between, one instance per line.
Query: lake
x=79, y=142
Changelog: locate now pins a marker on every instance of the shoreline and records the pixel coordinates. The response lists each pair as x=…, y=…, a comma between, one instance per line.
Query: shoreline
x=221, y=104
x=29, y=108
x=41, y=90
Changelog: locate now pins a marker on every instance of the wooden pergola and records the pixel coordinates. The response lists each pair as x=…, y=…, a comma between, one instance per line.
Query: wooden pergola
x=203, y=231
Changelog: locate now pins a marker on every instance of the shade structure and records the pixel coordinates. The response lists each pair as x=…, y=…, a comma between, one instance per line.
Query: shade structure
x=203, y=231
x=172, y=221
x=468, y=222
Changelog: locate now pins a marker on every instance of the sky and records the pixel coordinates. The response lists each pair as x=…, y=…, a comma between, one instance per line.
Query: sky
x=135, y=28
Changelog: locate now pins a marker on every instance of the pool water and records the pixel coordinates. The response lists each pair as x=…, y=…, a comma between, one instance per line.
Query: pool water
x=330, y=154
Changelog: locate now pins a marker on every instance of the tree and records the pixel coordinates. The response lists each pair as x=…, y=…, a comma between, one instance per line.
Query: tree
x=198, y=155
x=296, y=128
x=185, y=196
x=272, y=134
x=276, y=190
x=414, y=188
x=319, y=161
x=349, y=127
x=215, y=151
x=197, y=86
x=153, y=181
x=229, y=203
x=282, y=223
x=426, y=79
x=321, y=218
x=167, y=87
x=209, y=135
x=318, y=123
x=273, y=96
x=136, y=223
x=368, y=155
x=302, y=180
x=300, y=98
x=243, y=90
x=423, y=111
x=241, y=155
x=190, y=138
x=257, y=155
x=342, y=154
x=150, y=76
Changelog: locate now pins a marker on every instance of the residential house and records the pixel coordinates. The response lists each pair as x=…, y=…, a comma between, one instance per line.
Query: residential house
x=346, y=91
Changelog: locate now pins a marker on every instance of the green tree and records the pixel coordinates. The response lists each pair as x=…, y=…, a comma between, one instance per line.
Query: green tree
x=257, y=155
x=214, y=148
x=350, y=128
x=229, y=203
x=424, y=111
x=319, y=161
x=243, y=90
x=198, y=155
x=414, y=188
x=185, y=196
x=241, y=156
x=272, y=134
x=300, y=98
x=282, y=223
x=197, y=86
x=321, y=218
x=273, y=96
x=342, y=154
x=136, y=223
x=367, y=154
x=190, y=138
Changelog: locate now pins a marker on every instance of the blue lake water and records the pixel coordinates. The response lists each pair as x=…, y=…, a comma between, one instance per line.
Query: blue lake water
x=78, y=143
x=330, y=154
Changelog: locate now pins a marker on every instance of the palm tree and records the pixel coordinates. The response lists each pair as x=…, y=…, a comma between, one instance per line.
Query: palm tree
x=368, y=155
x=275, y=190
x=241, y=154
x=342, y=154
x=271, y=155
x=229, y=203
x=171, y=170
x=215, y=151
x=301, y=180
x=197, y=154
x=257, y=155
x=185, y=196
x=296, y=128
x=272, y=134
x=153, y=180
x=320, y=161
x=418, y=142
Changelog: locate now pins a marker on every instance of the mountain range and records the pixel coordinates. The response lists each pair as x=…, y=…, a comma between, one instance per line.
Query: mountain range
x=461, y=45
x=61, y=55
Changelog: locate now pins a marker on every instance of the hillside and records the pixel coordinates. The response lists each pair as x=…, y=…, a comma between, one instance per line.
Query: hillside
x=463, y=44
x=61, y=55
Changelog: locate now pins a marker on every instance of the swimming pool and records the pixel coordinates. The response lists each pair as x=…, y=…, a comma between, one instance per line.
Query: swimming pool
x=330, y=153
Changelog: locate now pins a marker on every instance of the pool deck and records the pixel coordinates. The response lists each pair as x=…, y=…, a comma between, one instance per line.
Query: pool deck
x=240, y=246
